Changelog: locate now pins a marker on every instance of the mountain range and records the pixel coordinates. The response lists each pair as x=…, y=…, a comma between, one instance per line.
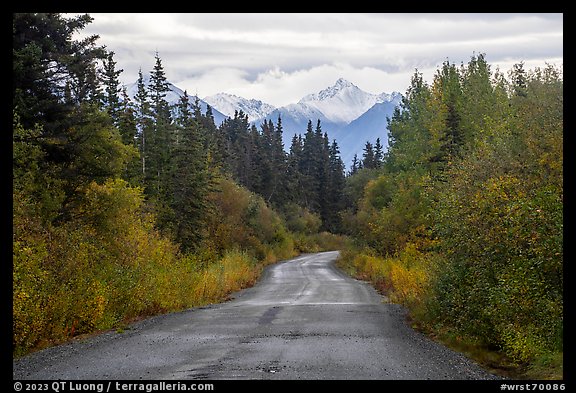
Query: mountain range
x=346, y=112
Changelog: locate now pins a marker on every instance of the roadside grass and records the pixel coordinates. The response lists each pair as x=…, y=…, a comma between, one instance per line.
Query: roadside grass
x=113, y=298
x=545, y=367
x=54, y=306
x=403, y=280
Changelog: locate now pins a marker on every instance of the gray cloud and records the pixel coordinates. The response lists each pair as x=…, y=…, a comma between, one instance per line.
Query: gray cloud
x=248, y=49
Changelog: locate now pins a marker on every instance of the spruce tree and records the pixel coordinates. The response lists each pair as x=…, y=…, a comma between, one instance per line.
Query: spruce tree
x=158, y=89
x=143, y=121
x=279, y=160
x=368, y=157
x=183, y=117
x=263, y=155
x=52, y=75
x=447, y=83
x=270, y=163
x=241, y=147
x=519, y=80
x=378, y=153
x=309, y=169
x=214, y=141
x=323, y=178
x=190, y=179
x=335, y=190
x=128, y=127
x=293, y=171
x=159, y=139
x=127, y=119
x=355, y=165
x=112, y=88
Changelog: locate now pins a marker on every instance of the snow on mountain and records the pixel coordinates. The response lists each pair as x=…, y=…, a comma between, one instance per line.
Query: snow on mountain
x=173, y=97
x=343, y=102
x=346, y=113
x=229, y=103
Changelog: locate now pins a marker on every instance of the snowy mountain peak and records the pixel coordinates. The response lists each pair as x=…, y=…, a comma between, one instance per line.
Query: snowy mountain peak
x=340, y=87
x=229, y=103
x=343, y=102
x=342, y=83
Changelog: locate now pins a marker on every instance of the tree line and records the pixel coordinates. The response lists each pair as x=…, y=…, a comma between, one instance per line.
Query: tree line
x=311, y=175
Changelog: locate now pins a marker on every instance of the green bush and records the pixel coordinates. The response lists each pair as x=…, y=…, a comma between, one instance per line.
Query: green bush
x=301, y=220
x=109, y=264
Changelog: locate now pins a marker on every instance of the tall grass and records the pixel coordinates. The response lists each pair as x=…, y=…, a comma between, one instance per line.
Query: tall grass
x=404, y=279
x=52, y=305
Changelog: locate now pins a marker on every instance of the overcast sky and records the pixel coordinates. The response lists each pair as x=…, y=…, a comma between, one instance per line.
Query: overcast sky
x=279, y=58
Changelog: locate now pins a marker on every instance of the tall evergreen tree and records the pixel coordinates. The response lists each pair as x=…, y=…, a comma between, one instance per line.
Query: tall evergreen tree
x=84, y=84
x=159, y=139
x=368, y=157
x=128, y=127
x=309, y=168
x=127, y=119
x=52, y=75
x=214, y=141
x=279, y=159
x=293, y=171
x=190, y=179
x=355, y=165
x=378, y=153
x=519, y=80
x=112, y=88
x=323, y=178
x=158, y=89
x=264, y=161
x=452, y=138
x=271, y=163
x=334, y=200
x=314, y=165
x=143, y=122
x=241, y=146
x=183, y=116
